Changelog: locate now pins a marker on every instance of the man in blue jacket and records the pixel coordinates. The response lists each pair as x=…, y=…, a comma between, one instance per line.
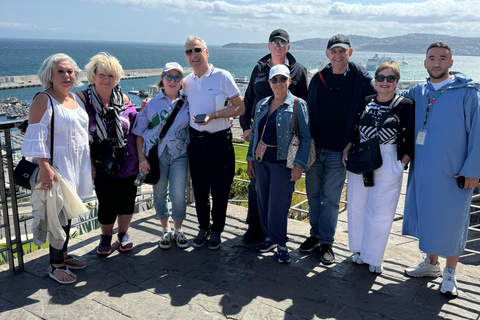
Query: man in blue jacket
x=259, y=88
x=336, y=95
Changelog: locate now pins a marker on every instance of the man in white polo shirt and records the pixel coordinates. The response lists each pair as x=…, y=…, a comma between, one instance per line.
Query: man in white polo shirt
x=211, y=155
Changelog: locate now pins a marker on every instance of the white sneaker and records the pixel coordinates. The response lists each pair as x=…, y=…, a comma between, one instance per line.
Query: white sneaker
x=375, y=269
x=181, y=240
x=424, y=269
x=166, y=241
x=356, y=258
x=449, y=283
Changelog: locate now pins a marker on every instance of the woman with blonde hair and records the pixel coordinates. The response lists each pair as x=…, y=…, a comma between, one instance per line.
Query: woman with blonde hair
x=113, y=150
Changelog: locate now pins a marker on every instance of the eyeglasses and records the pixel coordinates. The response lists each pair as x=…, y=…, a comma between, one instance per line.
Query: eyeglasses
x=169, y=77
x=381, y=78
x=196, y=50
x=281, y=43
x=282, y=79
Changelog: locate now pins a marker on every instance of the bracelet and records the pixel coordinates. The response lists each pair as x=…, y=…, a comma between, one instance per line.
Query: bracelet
x=216, y=115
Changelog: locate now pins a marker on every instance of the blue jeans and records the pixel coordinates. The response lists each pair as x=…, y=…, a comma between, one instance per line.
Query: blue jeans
x=173, y=177
x=274, y=194
x=324, y=184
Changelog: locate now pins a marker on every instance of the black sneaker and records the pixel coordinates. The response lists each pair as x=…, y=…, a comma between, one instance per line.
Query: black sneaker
x=253, y=236
x=328, y=257
x=215, y=241
x=201, y=238
x=309, y=244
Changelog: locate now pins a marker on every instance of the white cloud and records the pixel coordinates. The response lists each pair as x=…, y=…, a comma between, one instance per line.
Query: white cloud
x=27, y=26
x=173, y=20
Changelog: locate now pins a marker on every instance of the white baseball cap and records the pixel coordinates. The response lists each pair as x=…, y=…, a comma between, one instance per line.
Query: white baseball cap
x=279, y=69
x=173, y=66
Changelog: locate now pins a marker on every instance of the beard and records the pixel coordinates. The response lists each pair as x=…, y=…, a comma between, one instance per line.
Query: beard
x=440, y=76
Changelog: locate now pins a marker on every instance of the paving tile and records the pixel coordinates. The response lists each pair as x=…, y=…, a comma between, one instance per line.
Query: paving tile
x=179, y=289
x=9, y=311
x=218, y=275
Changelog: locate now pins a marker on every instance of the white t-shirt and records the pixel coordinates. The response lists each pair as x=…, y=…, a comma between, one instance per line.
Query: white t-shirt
x=202, y=95
x=439, y=85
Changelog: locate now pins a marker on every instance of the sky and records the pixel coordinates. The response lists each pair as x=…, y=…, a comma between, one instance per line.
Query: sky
x=226, y=21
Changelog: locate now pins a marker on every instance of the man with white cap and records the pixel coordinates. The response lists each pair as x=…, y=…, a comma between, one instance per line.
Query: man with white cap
x=336, y=95
x=211, y=154
x=259, y=88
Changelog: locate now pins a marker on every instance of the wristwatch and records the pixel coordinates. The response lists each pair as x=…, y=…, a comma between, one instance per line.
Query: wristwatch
x=216, y=115
x=405, y=166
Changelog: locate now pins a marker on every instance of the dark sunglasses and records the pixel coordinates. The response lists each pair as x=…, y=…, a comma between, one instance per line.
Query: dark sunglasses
x=169, y=77
x=282, y=79
x=196, y=50
x=381, y=78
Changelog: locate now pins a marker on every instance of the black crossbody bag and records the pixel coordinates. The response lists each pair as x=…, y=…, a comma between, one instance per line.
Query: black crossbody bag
x=24, y=169
x=154, y=173
x=365, y=156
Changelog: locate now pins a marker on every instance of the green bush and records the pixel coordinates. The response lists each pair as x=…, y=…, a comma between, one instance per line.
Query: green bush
x=239, y=189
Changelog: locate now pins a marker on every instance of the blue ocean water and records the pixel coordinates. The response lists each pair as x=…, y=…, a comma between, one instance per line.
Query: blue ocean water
x=25, y=56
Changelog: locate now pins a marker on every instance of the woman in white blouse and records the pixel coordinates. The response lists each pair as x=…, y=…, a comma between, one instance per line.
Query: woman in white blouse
x=71, y=153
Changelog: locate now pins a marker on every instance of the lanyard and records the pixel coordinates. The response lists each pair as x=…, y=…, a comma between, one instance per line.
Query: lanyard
x=430, y=103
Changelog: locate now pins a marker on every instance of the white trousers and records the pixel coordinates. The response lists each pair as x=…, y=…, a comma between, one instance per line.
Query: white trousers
x=371, y=210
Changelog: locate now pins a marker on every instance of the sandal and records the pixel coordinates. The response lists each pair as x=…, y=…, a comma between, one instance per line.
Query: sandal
x=65, y=270
x=74, y=263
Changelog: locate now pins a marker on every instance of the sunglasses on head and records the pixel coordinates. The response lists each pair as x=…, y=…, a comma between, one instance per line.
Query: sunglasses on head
x=282, y=79
x=281, y=43
x=169, y=77
x=196, y=50
x=381, y=78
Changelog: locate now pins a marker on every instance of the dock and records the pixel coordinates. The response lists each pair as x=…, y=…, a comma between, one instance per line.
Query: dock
x=25, y=81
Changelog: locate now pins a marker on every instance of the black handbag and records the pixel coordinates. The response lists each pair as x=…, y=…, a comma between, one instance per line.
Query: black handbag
x=365, y=156
x=154, y=173
x=24, y=169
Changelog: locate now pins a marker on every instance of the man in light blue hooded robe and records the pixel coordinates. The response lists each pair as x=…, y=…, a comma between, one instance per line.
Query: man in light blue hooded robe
x=447, y=126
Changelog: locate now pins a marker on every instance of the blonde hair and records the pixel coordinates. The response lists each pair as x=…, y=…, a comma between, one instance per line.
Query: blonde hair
x=45, y=72
x=392, y=65
x=104, y=61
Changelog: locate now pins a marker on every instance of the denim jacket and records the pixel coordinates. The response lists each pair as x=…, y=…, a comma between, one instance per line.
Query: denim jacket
x=285, y=124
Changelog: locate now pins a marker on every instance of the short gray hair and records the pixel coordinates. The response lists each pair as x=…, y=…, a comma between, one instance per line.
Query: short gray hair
x=196, y=38
x=45, y=72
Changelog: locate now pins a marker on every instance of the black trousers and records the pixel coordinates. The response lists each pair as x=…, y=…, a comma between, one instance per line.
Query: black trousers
x=56, y=255
x=212, y=167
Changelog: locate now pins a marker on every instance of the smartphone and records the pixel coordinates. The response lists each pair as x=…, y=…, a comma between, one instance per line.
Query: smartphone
x=200, y=118
x=461, y=182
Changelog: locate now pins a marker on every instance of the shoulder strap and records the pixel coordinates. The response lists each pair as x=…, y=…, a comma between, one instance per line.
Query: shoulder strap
x=52, y=125
x=295, y=128
x=171, y=118
x=395, y=101
x=321, y=78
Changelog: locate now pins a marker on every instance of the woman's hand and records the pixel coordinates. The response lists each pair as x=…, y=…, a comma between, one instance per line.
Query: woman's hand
x=143, y=165
x=46, y=178
x=345, y=153
x=296, y=173
x=144, y=103
x=250, y=170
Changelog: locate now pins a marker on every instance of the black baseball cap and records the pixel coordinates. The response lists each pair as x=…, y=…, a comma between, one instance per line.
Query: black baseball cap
x=280, y=34
x=338, y=40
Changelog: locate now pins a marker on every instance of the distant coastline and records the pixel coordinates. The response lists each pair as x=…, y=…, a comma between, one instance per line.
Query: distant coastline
x=410, y=43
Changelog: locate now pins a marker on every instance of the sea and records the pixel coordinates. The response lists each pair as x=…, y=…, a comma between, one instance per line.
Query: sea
x=25, y=56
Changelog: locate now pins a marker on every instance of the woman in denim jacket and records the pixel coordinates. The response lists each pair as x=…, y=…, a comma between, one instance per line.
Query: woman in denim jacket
x=273, y=126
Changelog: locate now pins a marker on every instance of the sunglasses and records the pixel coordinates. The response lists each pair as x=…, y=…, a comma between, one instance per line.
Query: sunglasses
x=282, y=79
x=279, y=43
x=196, y=50
x=381, y=78
x=169, y=77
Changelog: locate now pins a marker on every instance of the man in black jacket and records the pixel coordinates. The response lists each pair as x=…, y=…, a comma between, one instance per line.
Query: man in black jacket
x=335, y=96
x=259, y=88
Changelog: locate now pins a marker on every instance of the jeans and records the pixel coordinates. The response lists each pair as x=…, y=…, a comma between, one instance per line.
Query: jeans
x=56, y=255
x=274, y=192
x=212, y=167
x=173, y=178
x=253, y=216
x=324, y=184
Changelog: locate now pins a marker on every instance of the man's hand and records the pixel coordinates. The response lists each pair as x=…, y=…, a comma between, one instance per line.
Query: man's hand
x=246, y=135
x=469, y=182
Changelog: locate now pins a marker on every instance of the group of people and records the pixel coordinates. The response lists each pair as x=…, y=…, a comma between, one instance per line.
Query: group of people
x=343, y=108
x=433, y=127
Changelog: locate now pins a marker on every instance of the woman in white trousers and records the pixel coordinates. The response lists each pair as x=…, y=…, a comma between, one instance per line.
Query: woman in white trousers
x=373, y=197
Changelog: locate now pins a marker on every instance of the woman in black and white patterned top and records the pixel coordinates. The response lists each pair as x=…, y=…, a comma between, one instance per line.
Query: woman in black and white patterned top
x=371, y=209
